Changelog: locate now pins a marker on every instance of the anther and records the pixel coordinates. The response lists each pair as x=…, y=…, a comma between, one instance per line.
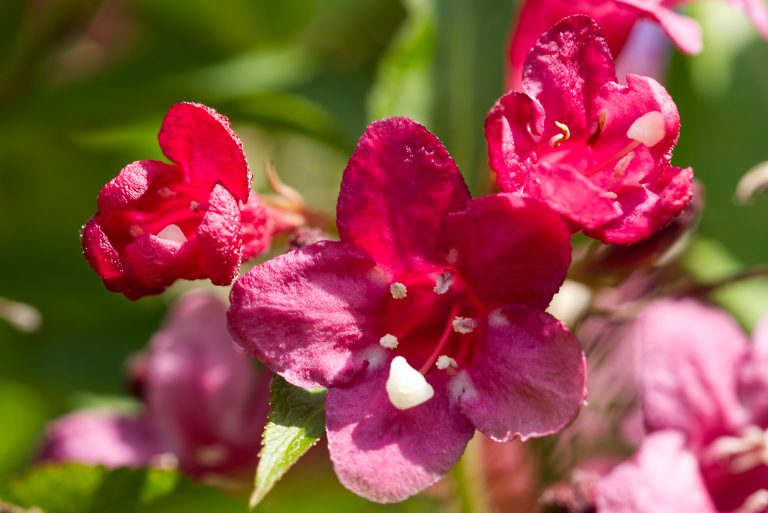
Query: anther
x=193, y=205
x=406, y=387
x=648, y=129
x=389, y=341
x=623, y=164
x=136, y=231
x=443, y=362
x=463, y=325
x=398, y=290
x=443, y=282
x=165, y=192
x=559, y=139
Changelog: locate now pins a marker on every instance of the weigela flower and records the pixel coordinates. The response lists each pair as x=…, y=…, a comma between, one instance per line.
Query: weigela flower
x=704, y=392
x=205, y=403
x=424, y=322
x=592, y=149
x=617, y=18
x=159, y=222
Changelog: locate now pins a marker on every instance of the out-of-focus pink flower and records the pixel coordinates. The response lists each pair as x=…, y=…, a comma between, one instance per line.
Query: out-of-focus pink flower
x=205, y=403
x=424, y=322
x=595, y=151
x=159, y=222
x=617, y=18
x=704, y=390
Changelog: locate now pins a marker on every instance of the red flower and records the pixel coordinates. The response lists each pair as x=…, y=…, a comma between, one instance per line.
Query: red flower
x=159, y=222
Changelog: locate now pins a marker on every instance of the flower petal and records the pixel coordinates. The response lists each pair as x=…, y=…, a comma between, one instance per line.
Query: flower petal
x=662, y=478
x=753, y=376
x=689, y=355
x=566, y=68
x=510, y=249
x=527, y=378
x=386, y=454
x=200, y=141
x=397, y=187
x=309, y=314
x=683, y=31
x=757, y=12
x=101, y=438
x=219, y=239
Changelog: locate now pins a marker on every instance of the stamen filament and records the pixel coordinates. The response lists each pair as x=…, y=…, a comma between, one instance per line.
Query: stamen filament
x=446, y=335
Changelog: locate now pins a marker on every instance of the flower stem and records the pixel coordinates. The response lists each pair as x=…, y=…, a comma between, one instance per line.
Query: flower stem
x=469, y=479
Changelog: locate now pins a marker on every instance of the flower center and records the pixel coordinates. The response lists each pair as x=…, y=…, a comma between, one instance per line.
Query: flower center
x=430, y=321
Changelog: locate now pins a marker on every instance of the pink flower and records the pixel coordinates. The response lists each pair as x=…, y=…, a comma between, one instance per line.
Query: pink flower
x=159, y=222
x=704, y=391
x=205, y=403
x=424, y=322
x=595, y=151
x=617, y=18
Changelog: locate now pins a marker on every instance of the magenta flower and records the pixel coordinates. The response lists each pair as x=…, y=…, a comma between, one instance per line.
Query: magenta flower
x=205, y=403
x=704, y=391
x=617, y=18
x=424, y=322
x=159, y=222
x=595, y=151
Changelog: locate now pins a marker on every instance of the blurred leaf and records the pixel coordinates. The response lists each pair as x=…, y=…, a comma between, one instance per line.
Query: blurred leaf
x=296, y=423
x=75, y=488
x=19, y=436
x=404, y=81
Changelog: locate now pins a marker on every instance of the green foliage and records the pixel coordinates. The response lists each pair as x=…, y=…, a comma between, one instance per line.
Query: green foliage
x=74, y=488
x=296, y=423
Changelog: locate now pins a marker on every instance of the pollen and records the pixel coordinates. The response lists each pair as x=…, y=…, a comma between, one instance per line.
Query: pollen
x=172, y=233
x=443, y=362
x=398, y=290
x=443, y=282
x=406, y=387
x=463, y=325
x=165, y=192
x=389, y=341
x=648, y=129
x=193, y=205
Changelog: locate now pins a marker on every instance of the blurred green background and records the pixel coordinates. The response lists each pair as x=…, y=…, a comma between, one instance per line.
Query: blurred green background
x=84, y=85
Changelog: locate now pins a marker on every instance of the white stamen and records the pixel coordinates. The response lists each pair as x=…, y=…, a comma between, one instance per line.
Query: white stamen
x=398, y=290
x=136, y=231
x=443, y=362
x=193, y=205
x=621, y=166
x=165, y=192
x=443, y=282
x=463, y=325
x=389, y=341
x=172, y=233
x=648, y=129
x=406, y=387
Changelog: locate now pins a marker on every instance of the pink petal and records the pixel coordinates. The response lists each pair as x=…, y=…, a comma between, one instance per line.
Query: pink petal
x=156, y=263
x=757, y=11
x=683, y=31
x=101, y=438
x=103, y=258
x=257, y=228
x=510, y=249
x=309, y=314
x=202, y=391
x=566, y=68
x=385, y=454
x=527, y=378
x=218, y=237
x=689, y=355
x=572, y=195
x=753, y=376
x=512, y=130
x=397, y=187
x=662, y=478
x=200, y=141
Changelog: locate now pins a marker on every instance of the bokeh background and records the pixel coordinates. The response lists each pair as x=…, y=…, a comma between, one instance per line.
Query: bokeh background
x=84, y=85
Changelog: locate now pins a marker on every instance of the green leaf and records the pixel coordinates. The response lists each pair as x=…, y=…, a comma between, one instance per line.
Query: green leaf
x=76, y=488
x=296, y=423
x=404, y=80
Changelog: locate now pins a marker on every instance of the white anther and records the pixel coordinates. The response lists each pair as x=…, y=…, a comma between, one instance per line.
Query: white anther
x=389, y=341
x=443, y=362
x=443, y=282
x=558, y=139
x=398, y=290
x=165, y=192
x=406, y=387
x=463, y=325
x=648, y=129
x=621, y=166
x=193, y=205
x=172, y=233
x=136, y=231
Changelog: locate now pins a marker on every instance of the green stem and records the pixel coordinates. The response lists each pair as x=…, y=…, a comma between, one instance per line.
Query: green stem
x=469, y=479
